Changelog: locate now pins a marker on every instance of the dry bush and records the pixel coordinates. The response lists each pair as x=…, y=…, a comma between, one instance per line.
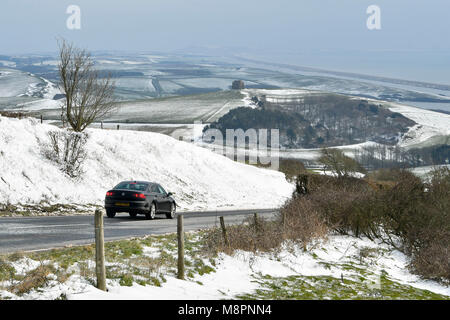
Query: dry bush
x=297, y=222
x=302, y=219
x=385, y=178
x=302, y=222
x=16, y=256
x=411, y=215
x=401, y=208
x=433, y=260
x=291, y=168
x=34, y=279
x=11, y=114
x=87, y=270
x=338, y=163
x=391, y=174
x=341, y=203
x=7, y=271
x=428, y=237
x=252, y=235
x=67, y=149
x=317, y=182
x=439, y=188
x=418, y=214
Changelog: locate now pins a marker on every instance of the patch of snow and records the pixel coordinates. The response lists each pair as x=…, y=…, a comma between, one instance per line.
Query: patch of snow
x=151, y=252
x=25, y=265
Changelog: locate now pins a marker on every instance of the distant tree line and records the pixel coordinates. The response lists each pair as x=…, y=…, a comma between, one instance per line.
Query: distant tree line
x=383, y=156
x=247, y=118
x=339, y=120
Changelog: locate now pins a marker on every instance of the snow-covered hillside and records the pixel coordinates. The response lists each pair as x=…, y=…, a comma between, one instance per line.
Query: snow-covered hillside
x=25, y=91
x=431, y=128
x=199, y=178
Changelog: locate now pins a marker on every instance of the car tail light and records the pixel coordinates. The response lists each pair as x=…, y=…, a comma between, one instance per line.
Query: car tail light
x=139, y=195
x=109, y=194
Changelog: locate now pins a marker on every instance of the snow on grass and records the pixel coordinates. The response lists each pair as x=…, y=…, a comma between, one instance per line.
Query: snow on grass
x=231, y=279
x=199, y=178
x=338, y=258
x=24, y=265
x=151, y=252
x=332, y=258
x=353, y=267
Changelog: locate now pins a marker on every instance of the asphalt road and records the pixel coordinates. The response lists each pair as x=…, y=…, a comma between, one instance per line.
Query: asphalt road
x=39, y=233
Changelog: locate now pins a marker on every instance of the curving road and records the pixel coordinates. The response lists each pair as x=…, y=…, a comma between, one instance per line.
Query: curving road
x=39, y=233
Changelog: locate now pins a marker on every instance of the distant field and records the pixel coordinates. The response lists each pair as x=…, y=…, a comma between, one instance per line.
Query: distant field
x=206, y=107
x=144, y=76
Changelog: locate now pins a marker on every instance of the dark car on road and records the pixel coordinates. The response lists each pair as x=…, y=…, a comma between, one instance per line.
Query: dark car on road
x=139, y=197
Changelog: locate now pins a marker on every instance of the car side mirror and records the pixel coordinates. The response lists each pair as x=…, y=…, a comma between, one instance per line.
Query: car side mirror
x=169, y=194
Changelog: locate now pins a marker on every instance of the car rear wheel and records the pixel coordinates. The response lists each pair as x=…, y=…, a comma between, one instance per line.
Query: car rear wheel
x=172, y=213
x=110, y=213
x=150, y=215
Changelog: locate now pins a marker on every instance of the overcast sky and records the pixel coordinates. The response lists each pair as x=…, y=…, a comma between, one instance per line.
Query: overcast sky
x=296, y=28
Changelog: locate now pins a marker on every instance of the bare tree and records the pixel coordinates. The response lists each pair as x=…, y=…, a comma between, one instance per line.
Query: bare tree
x=88, y=97
x=339, y=164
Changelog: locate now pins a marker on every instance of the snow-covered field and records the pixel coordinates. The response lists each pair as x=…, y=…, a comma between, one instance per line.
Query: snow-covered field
x=26, y=91
x=328, y=269
x=189, y=74
x=14, y=82
x=236, y=274
x=186, y=109
x=199, y=178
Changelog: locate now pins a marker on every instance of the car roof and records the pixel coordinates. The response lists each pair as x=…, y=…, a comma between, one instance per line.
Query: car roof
x=134, y=181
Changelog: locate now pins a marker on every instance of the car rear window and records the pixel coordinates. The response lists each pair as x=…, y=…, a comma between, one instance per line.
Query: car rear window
x=132, y=186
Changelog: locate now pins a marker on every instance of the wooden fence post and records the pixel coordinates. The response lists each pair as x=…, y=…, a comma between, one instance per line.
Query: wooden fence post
x=100, y=269
x=255, y=219
x=180, y=236
x=224, y=231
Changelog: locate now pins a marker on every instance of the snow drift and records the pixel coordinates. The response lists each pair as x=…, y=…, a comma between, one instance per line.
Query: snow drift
x=199, y=178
